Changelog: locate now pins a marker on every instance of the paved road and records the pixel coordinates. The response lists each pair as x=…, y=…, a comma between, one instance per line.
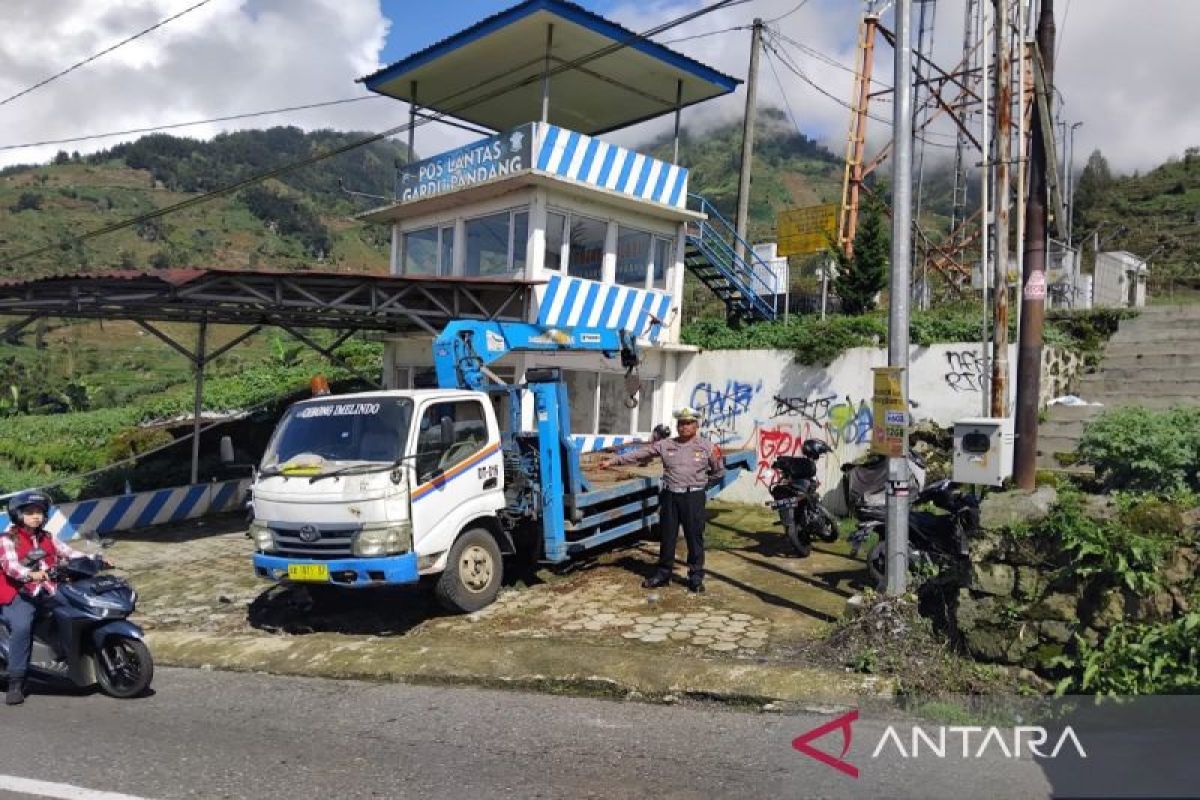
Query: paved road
x=225, y=735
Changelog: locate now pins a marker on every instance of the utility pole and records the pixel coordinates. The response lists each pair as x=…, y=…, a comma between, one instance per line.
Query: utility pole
x=898, y=293
x=743, y=206
x=1003, y=100
x=1071, y=183
x=1033, y=295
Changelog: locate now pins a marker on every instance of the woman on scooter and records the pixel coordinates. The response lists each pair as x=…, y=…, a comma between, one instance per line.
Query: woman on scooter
x=26, y=587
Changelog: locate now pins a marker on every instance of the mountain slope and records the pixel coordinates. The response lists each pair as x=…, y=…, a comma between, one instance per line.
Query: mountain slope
x=300, y=220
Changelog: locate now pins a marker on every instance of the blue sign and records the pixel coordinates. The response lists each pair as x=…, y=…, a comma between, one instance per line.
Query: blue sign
x=487, y=160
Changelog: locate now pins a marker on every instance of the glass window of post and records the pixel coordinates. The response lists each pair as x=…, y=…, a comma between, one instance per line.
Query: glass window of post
x=661, y=263
x=556, y=224
x=614, y=416
x=421, y=252
x=496, y=244
x=487, y=245
x=581, y=391
x=633, y=257
x=520, y=240
x=586, y=259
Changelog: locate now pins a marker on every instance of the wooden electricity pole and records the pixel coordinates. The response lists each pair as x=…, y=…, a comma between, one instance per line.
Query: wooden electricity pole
x=743, y=206
x=1033, y=293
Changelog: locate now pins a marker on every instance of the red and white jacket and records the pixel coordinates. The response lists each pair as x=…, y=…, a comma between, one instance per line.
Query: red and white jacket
x=15, y=544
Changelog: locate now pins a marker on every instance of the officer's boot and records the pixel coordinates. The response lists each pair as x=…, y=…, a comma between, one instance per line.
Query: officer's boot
x=16, y=692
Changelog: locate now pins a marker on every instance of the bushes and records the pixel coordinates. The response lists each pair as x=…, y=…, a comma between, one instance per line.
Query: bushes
x=1160, y=658
x=817, y=341
x=1143, y=450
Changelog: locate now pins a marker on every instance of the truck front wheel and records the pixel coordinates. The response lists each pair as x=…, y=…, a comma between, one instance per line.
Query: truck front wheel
x=474, y=569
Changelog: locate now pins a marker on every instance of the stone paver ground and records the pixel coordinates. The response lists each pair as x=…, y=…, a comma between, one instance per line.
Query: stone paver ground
x=196, y=577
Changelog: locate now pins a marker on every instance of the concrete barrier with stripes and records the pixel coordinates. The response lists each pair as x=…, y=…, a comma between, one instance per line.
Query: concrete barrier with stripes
x=142, y=509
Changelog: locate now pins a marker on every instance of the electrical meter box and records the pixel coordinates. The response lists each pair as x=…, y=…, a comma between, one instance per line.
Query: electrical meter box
x=983, y=450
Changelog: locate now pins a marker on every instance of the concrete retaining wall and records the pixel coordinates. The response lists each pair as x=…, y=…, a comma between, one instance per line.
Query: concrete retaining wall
x=764, y=401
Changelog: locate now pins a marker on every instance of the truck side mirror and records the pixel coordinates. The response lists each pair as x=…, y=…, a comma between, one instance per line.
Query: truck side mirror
x=447, y=431
x=226, y=450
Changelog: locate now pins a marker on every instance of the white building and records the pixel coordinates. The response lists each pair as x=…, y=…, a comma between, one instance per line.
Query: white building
x=599, y=233
x=1120, y=280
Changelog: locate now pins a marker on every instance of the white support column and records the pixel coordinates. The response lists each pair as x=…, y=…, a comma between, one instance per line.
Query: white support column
x=535, y=258
x=397, y=256
x=460, y=246
x=608, y=270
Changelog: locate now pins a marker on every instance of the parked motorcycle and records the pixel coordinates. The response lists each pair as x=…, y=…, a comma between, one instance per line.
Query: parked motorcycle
x=87, y=639
x=935, y=541
x=798, y=501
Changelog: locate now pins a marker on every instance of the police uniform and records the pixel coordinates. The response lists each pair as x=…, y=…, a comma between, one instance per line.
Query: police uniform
x=688, y=469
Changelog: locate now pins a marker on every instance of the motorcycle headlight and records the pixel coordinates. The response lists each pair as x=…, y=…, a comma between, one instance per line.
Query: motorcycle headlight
x=383, y=541
x=264, y=539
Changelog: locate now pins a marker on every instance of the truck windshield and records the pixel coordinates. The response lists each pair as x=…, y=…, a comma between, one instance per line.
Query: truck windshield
x=365, y=430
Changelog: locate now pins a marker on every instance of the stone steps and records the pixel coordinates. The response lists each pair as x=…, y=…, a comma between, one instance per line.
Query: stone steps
x=1101, y=384
x=1152, y=361
x=1143, y=349
x=1180, y=361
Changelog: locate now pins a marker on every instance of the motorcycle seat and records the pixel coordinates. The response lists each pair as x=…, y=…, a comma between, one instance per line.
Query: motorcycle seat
x=871, y=513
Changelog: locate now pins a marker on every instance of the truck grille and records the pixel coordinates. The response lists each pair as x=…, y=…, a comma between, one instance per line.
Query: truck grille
x=331, y=541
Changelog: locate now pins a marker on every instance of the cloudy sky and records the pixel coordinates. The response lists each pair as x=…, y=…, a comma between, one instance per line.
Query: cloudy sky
x=1125, y=70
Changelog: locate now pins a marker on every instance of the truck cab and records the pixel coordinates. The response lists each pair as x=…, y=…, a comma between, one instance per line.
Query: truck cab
x=375, y=488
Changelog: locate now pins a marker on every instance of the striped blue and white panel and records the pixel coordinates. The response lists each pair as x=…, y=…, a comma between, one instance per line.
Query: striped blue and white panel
x=577, y=302
x=589, y=160
x=590, y=444
x=142, y=509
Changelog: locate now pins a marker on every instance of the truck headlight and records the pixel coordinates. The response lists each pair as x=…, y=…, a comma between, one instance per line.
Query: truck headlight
x=383, y=541
x=264, y=540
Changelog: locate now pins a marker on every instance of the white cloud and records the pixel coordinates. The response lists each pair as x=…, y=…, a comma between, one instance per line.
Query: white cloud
x=228, y=57
x=1126, y=70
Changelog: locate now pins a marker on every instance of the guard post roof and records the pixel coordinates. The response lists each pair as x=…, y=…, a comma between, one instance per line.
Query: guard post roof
x=463, y=75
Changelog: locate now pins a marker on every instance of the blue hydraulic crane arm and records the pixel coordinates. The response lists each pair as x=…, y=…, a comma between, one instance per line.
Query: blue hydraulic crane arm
x=465, y=347
x=462, y=352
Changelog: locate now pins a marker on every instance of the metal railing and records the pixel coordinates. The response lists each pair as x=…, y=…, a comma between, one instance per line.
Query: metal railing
x=750, y=275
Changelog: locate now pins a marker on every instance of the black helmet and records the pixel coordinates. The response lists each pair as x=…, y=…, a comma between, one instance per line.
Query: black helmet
x=22, y=500
x=814, y=448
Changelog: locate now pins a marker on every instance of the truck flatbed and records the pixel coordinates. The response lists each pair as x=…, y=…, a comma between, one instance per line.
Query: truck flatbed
x=598, y=477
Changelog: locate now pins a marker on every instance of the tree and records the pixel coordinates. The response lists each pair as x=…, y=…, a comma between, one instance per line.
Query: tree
x=860, y=279
x=1094, y=182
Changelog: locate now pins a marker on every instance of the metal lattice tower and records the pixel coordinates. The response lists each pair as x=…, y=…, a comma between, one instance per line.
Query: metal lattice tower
x=971, y=56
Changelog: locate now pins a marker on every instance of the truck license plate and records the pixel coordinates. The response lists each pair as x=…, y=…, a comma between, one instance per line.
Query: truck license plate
x=308, y=572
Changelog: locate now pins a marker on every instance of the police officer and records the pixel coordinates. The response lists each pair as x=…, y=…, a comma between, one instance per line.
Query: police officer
x=691, y=464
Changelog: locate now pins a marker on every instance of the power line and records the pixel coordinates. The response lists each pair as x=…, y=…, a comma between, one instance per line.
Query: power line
x=817, y=54
x=702, y=35
x=782, y=92
x=171, y=126
x=799, y=6
x=882, y=120
x=325, y=154
x=104, y=52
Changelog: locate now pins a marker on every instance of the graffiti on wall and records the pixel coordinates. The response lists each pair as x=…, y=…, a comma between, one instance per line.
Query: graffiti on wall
x=843, y=422
x=722, y=406
x=840, y=423
x=965, y=371
x=774, y=442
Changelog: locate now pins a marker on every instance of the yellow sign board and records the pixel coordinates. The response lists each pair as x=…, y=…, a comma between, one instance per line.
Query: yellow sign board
x=801, y=231
x=890, y=412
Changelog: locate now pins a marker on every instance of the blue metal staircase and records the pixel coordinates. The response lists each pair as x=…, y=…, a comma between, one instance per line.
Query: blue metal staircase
x=746, y=285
